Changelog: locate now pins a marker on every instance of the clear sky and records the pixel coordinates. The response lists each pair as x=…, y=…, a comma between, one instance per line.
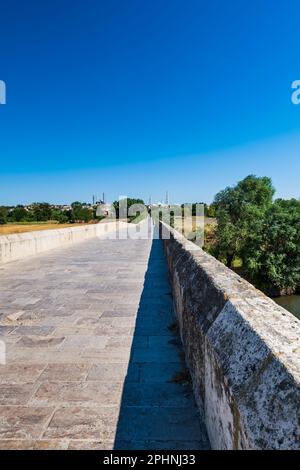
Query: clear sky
x=136, y=97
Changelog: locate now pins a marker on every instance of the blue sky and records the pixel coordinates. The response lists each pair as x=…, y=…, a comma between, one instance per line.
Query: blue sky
x=139, y=97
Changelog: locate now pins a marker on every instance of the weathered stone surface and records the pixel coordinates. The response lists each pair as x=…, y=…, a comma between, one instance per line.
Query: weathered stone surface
x=15, y=393
x=34, y=330
x=151, y=444
x=242, y=350
x=39, y=342
x=34, y=444
x=110, y=372
x=72, y=393
x=15, y=373
x=15, y=444
x=163, y=423
x=83, y=423
x=65, y=372
x=161, y=372
x=83, y=341
x=90, y=445
x=78, y=341
x=23, y=422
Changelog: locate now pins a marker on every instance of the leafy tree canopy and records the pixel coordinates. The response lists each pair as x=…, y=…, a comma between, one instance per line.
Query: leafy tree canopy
x=239, y=213
x=272, y=259
x=3, y=215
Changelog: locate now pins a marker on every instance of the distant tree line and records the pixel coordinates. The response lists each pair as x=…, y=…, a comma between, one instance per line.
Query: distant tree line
x=263, y=234
x=209, y=209
x=124, y=208
x=43, y=212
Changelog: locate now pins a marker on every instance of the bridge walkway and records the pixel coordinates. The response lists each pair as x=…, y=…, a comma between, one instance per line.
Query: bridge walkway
x=93, y=356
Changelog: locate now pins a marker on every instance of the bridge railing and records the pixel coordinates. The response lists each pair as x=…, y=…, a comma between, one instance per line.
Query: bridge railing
x=242, y=349
x=23, y=245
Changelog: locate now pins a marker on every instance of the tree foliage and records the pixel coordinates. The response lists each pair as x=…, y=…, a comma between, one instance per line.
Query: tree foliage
x=263, y=234
x=272, y=260
x=239, y=214
x=122, y=207
x=18, y=214
x=3, y=215
x=43, y=212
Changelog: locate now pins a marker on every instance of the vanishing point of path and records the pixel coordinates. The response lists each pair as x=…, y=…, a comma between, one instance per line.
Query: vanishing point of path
x=93, y=358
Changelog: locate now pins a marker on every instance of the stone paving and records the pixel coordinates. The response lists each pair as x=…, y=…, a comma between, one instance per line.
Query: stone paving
x=94, y=360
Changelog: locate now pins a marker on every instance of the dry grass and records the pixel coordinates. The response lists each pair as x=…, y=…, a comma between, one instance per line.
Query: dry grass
x=9, y=229
x=190, y=224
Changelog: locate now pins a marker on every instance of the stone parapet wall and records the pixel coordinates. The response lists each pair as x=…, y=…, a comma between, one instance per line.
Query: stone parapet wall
x=22, y=245
x=242, y=349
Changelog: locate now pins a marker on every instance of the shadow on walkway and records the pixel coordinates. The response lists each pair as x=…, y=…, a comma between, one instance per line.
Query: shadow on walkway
x=157, y=408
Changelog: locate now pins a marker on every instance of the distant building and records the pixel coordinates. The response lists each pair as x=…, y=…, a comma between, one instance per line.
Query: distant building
x=104, y=209
x=65, y=207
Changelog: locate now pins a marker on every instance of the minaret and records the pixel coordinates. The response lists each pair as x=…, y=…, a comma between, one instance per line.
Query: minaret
x=167, y=198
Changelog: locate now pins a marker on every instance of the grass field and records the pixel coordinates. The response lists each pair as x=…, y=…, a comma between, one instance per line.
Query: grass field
x=8, y=229
x=190, y=223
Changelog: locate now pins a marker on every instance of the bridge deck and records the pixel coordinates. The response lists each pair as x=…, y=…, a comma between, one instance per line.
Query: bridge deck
x=91, y=360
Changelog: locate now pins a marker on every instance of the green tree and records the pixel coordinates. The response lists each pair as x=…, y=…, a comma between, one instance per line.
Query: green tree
x=76, y=210
x=272, y=259
x=81, y=213
x=120, y=206
x=240, y=211
x=59, y=215
x=18, y=214
x=41, y=211
x=3, y=215
x=70, y=216
x=86, y=214
x=210, y=210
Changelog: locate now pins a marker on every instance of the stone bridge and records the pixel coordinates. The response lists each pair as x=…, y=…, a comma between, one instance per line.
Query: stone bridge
x=94, y=355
